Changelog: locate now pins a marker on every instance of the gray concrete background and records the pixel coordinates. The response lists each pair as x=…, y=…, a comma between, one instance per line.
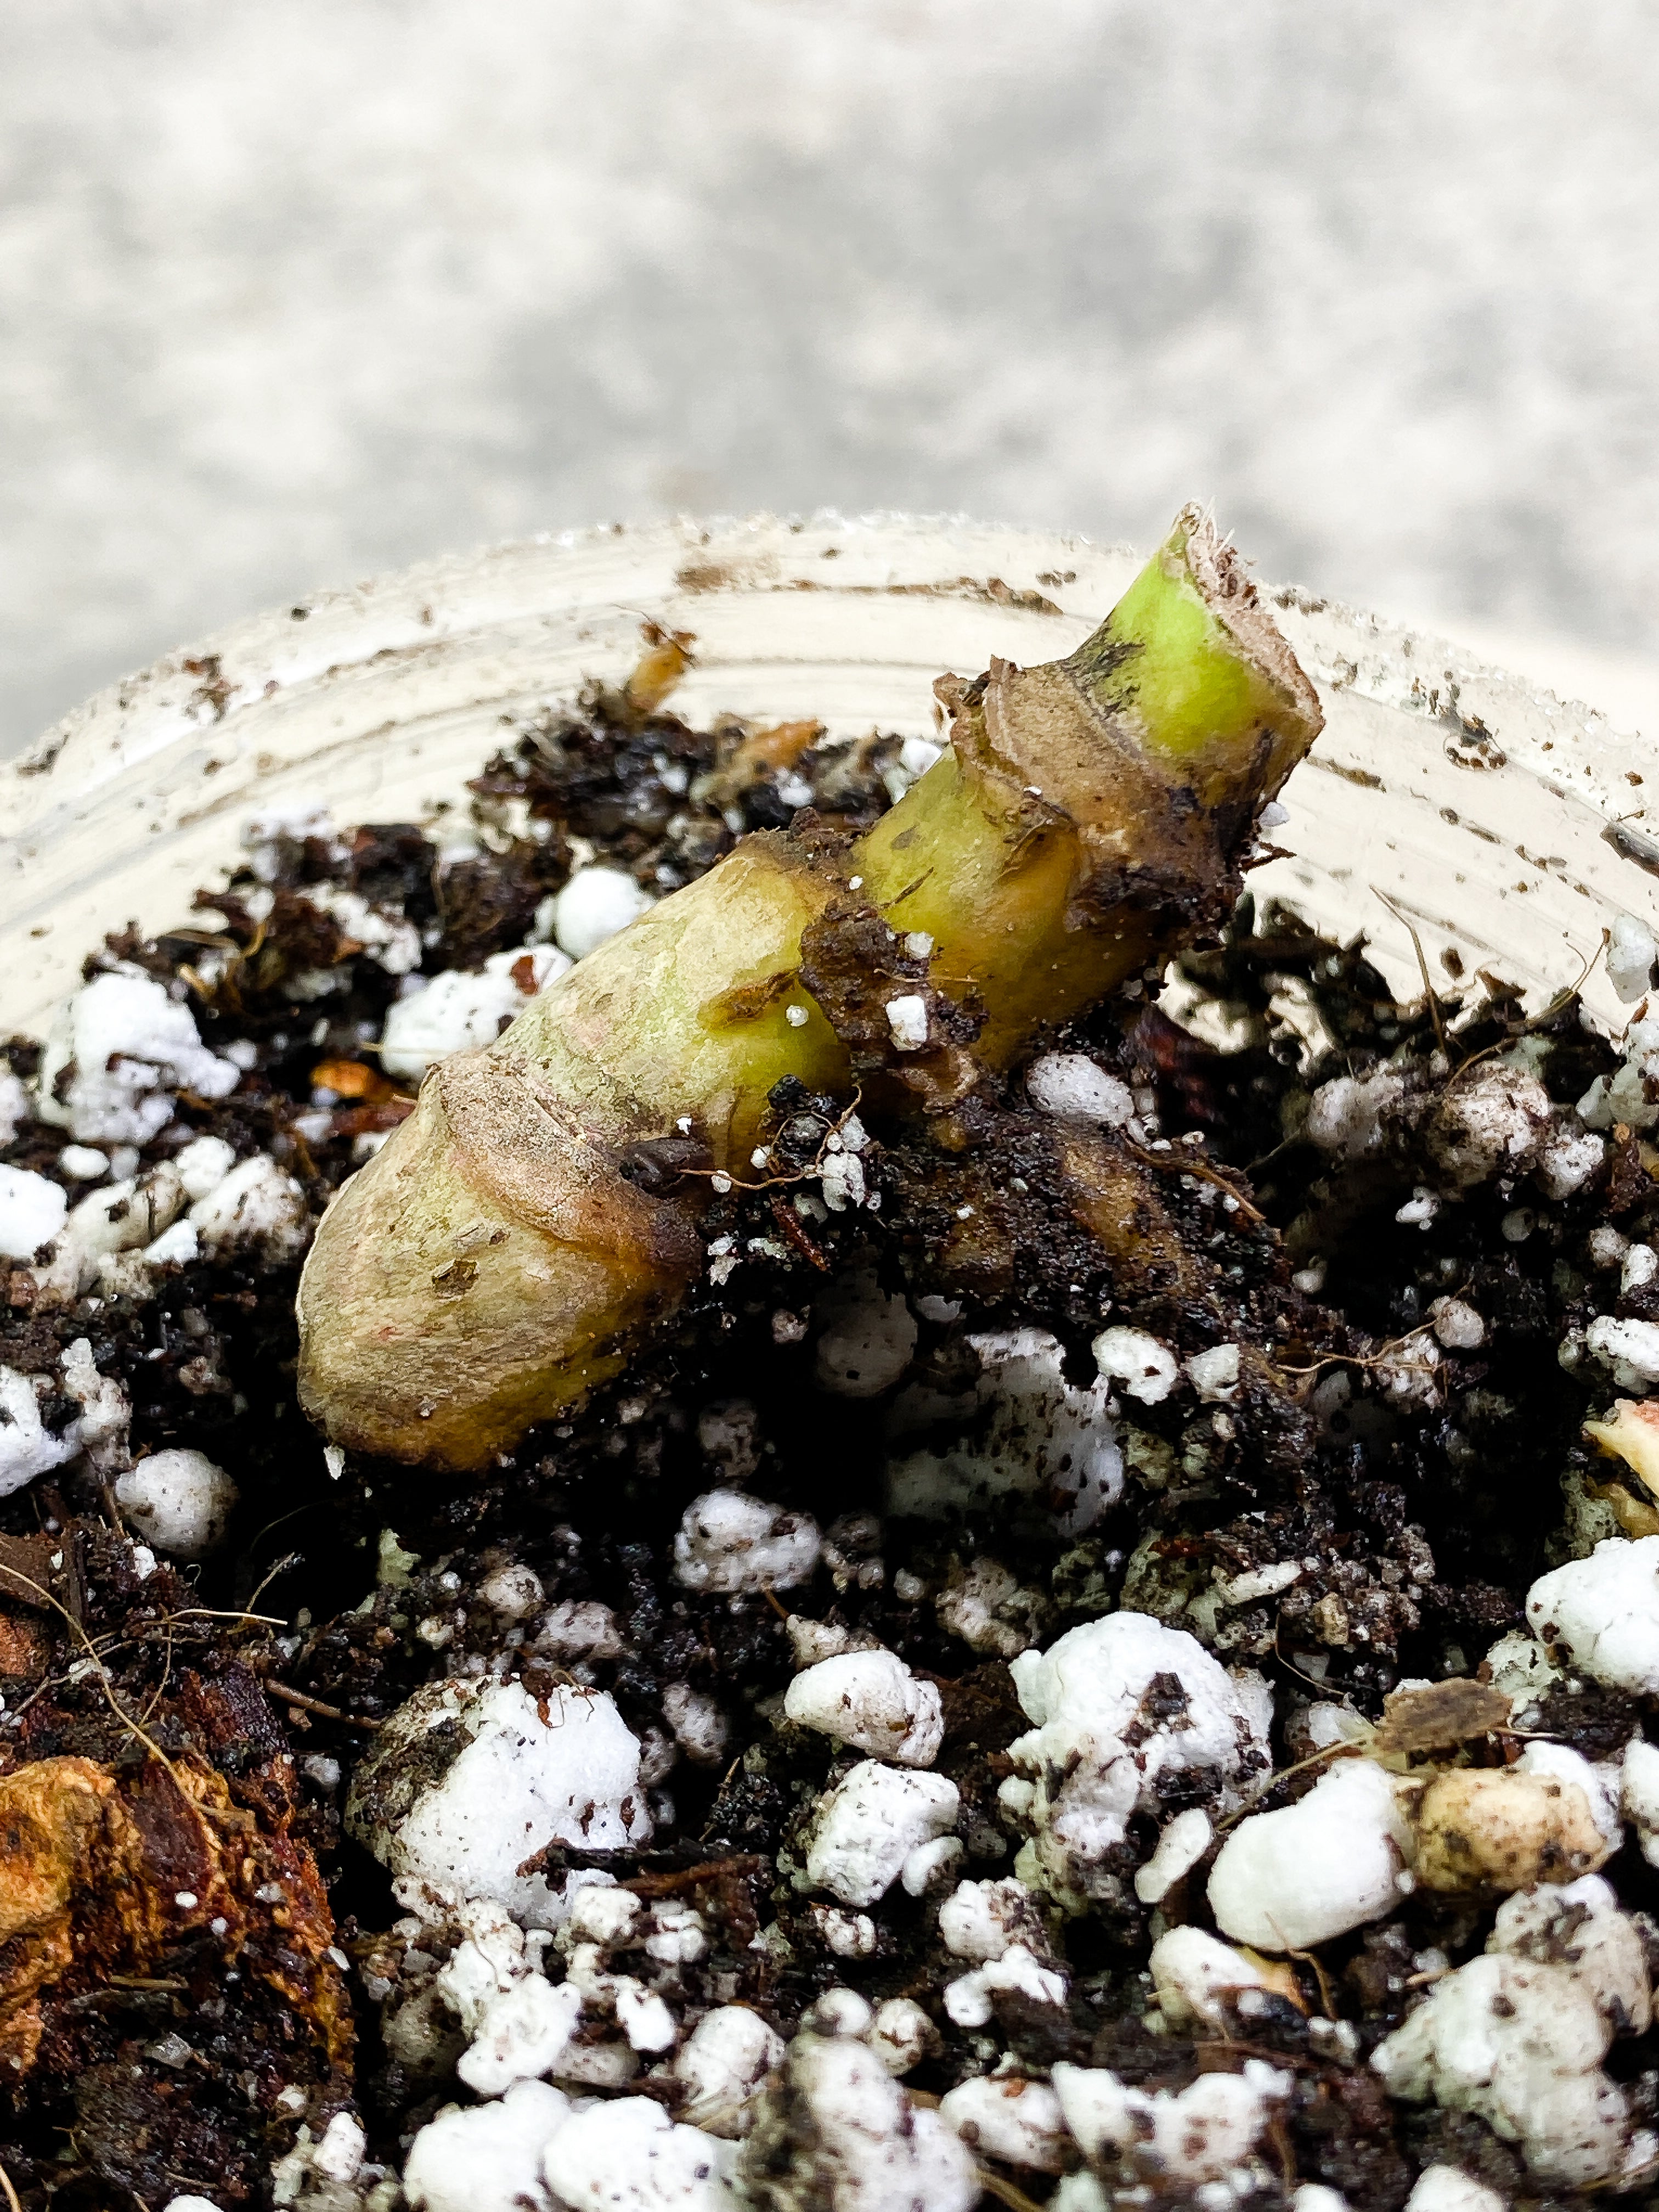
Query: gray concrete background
x=293, y=290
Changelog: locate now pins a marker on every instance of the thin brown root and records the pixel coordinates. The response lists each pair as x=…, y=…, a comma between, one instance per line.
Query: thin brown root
x=1311, y=1960
x=1179, y=1163
x=1005, y=2192
x=1429, y=995
x=104, y=1683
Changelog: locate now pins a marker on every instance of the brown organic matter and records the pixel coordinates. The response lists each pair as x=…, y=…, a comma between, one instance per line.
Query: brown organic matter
x=105, y=1872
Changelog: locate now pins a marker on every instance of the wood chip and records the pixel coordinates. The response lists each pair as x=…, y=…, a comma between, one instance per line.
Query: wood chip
x=1440, y=1717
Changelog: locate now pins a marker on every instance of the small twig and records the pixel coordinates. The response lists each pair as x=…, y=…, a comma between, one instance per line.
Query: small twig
x=789, y=1223
x=308, y=1705
x=665, y=1885
x=11, y=2194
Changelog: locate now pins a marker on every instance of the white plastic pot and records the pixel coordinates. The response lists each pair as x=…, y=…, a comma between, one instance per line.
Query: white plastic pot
x=1479, y=803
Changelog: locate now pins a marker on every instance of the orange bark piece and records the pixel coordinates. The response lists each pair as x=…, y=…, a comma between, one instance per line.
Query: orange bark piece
x=350, y=1078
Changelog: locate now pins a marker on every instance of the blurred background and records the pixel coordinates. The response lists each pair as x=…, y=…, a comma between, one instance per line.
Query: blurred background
x=296, y=290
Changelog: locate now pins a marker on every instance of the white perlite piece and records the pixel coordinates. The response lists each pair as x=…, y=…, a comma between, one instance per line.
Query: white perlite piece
x=109, y=1051
x=1524, y=1670
x=594, y=906
x=868, y=1824
x=257, y=1203
x=27, y=1446
x=1518, y=2036
x=628, y=2156
x=1624, y=1096
x=381, y=934
x=901, y=2034
x=1082, y=2192
x=700, y=1727
x=1191, y=1973
x=516, y=1782
x=493, y=1954
x=82, y=1162
x=486, y=2157
x=907, y=1021
x=1639, y=1794
x=578, y=1628
x=984, y=1920
x=1289, y=1880
x=1067, y=1083
x=1600, y=1616
x=722, y=2063
x=32, y=1212
x=841, y=1178
x=969, y=2001
x=1631, y=955
x=461, y=1009
x=1520, y=2044
x=1035, y=1435
x=1346, y=1115
x=1095, y=1758
x=838, y=2012
x=1598, y=1786
x=728, y=1542
x=124, y=1217
x=1449, y=2189
x=864, y=2147
x=202, y=1164
x=522, y=2034
x=1202, y=2134
x=1182, y=1843
x=1629, y=1349
x=178, y=1501
x=1458, y=1325
x=868, y=1337
x=1568, y=1156
x=513, y=1591
x=1488, y=1123
x=14, y=1106
x=1214, y=1374
x=1009, y=2119
x=871, y=1700
x=190, y=2204
x=1578, y=1925
x=991, y=1610
x=106, y=1413
x=1146, y=1369
x=848, y=1934
x=930, y=1865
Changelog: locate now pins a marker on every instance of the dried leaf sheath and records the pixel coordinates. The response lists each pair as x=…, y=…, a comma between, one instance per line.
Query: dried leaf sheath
x=493, y=1261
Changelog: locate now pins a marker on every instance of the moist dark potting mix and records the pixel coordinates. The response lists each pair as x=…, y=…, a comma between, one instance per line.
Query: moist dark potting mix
x=881, y=1563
